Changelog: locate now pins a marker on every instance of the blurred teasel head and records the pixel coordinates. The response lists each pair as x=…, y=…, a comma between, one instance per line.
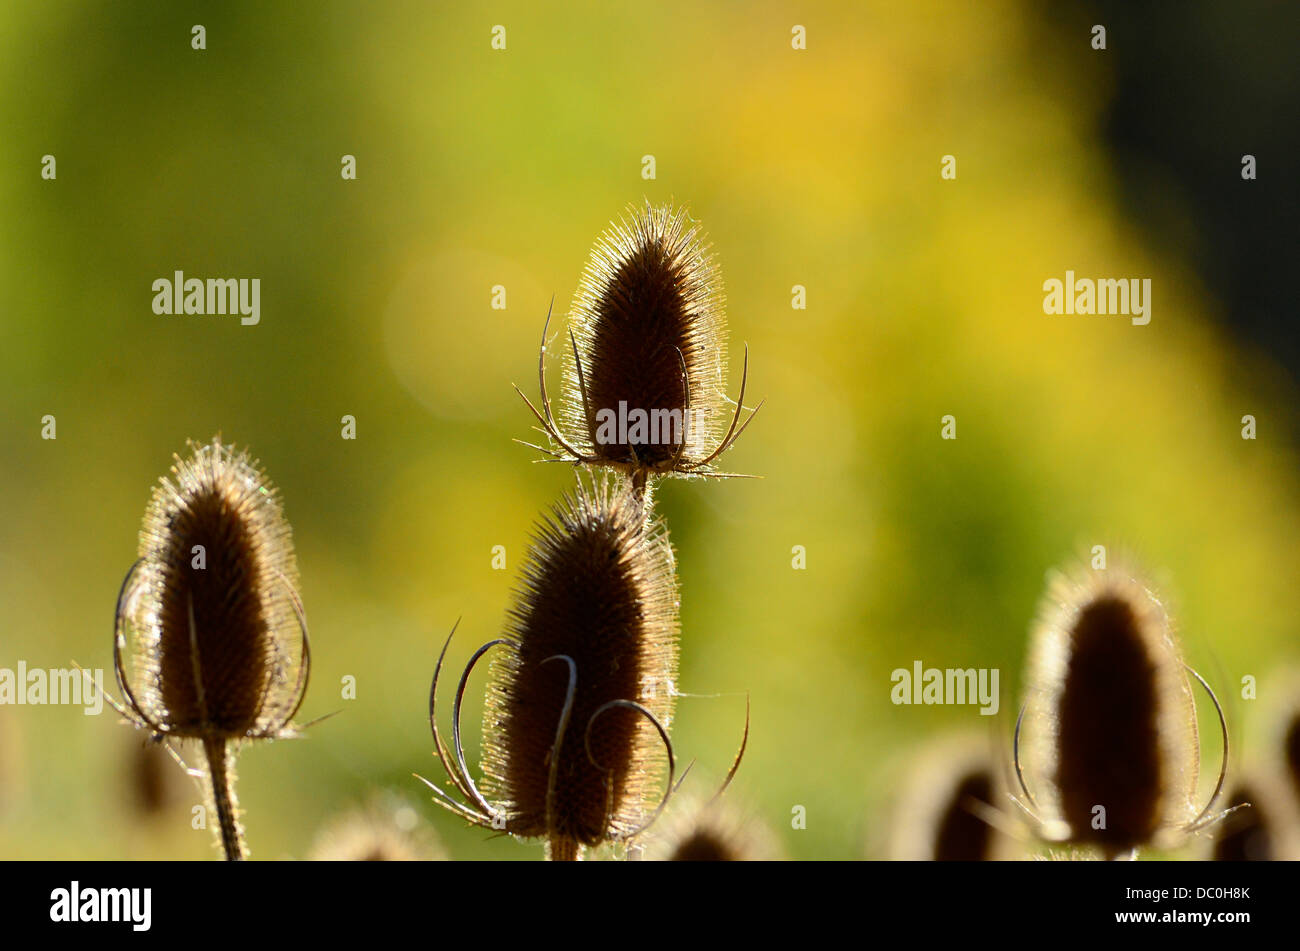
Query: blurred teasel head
x=385, y=829
x=211, y=607
x=715, y=830
x=948, y=806
x=1250, y=832
x=645, y=388
x=581, y=696
x=1113, y=741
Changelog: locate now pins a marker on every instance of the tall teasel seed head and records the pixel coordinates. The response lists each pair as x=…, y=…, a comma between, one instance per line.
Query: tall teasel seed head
x=1114, y=743
x=211, y=617
x=645, y=384
x=944, y=811
x=212, y=604
x=581, y=694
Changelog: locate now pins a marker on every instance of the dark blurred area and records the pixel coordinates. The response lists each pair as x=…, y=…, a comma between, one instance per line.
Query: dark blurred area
x=1197, y=86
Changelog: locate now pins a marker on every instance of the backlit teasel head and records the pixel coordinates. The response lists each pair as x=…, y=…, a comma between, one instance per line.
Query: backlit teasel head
x=210, y=611
x=581, y=696
x=1113, y=745
x=211, y=619
x=713, y=830
x=645, y=387
x=948, y=809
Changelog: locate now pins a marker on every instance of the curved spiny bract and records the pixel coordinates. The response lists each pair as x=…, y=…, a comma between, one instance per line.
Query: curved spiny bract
x=1114, y=733
x=212, y=604
x=592, y=633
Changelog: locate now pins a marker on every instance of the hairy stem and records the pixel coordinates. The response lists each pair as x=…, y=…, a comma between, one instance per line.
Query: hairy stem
x=562, y=849
x=221, y=770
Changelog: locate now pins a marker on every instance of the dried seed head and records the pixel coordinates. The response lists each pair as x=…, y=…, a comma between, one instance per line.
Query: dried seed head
x=1247, y=834
x=713, y=831
x=384, y=830
x=593, y=631
x=947, y=803
x=212, y=604
x=1111, y=715
x=651, y=336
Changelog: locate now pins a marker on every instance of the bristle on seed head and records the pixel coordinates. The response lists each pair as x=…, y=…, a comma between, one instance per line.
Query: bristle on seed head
x=211, y=607
x=1112, y=723
x=592, y=633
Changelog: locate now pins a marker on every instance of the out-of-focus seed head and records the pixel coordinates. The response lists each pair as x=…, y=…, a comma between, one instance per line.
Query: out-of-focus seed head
x=1249, y=833
x=946, y=804
x=154, y=783
x=1291, y=751
x=594, y=626
x=1111, y=721
x=384, y=830
x=716, y=830
x=211, y=608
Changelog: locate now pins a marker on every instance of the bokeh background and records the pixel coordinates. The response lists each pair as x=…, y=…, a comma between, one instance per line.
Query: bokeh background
x=479, y=167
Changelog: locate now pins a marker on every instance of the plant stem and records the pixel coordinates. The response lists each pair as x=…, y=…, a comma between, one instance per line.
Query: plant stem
x=562, y=849
x=221, y=769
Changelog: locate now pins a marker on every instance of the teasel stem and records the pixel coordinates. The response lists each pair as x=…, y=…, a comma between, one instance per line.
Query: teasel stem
x=562, y=849
x=220, y=768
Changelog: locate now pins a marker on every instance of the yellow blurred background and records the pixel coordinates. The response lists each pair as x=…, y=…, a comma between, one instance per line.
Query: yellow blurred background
x=479, y=167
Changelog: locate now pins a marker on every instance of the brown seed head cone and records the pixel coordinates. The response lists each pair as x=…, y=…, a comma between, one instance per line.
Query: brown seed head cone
x=649, y=300
x=213, y=634
x=598, y=587
x=1113, y=713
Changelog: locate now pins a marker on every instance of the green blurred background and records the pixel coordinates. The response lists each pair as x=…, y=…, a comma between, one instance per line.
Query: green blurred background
x=479, y=167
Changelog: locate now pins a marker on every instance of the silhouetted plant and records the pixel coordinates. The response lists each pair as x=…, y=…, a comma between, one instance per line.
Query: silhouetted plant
x=1115, y=741
x=211, y=609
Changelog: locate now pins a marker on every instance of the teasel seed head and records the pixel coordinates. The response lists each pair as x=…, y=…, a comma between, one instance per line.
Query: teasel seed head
x=1114, y=740
x=211, y=606
x=386, y=829
x=581, y=694
x=154, y=783
x=645, y=387
x=1248, y=833
x=210, y=614
x=1291, y=752
x=712, y=830
x=948, y=807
